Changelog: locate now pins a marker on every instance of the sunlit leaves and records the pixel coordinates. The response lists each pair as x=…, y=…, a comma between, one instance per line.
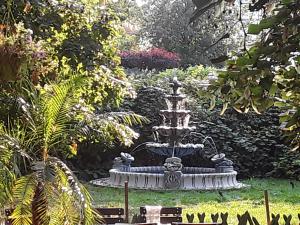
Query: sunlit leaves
x=267, y=74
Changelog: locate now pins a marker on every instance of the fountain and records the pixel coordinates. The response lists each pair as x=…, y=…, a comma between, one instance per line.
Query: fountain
x=173, y=174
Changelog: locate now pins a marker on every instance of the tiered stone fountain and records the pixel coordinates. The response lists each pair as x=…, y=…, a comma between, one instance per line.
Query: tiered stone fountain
x=173, y=175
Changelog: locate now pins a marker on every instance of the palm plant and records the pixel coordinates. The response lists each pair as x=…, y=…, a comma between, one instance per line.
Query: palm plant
x=38, y=184
x=40, y=187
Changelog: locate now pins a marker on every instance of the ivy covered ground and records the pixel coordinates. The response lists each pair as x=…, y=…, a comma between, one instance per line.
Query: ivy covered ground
x=283, y=194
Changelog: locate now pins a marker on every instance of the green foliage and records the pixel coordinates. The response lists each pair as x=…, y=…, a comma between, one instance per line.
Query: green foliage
x=45, y=131
x=130, y=15
x=268, y=73
x=77, y=33
x=39, y=184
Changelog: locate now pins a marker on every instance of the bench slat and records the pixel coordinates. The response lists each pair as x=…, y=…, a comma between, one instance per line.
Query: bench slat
x=171, y=210
x=164, y=210
x=170, y=219
x=111, y=211
x=114, y=220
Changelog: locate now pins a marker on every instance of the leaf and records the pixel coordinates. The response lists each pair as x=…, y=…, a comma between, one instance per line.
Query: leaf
x=242, y=61
x=212, y=103
x=23, y=193
x=254, y=108
x=257, y=90
x=225, y=106
x=238, y=110
x=267, y=23
x=247, y=92
x=273, y=90
x=254, y=29
x=286, y=2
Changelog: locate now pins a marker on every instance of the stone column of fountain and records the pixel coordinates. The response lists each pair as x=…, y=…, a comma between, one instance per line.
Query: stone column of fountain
x=175, y=126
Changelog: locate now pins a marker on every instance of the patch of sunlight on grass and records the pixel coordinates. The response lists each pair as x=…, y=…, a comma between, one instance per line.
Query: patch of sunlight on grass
x=256, y=209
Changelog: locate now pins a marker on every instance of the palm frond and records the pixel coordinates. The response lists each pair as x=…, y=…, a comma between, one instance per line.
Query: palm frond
x=56, y=107
x=6, y=184
x=63, y=211
x=109, y=127
x=13, y=159
x=23, y=193
x=81, y=198
x=15, y=141
x=92, y=216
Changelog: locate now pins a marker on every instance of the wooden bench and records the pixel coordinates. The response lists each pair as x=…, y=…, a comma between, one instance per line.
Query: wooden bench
x=112, y=215
x=167, y=214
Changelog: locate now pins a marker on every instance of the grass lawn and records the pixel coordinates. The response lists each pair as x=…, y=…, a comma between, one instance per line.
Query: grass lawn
x=284, y=199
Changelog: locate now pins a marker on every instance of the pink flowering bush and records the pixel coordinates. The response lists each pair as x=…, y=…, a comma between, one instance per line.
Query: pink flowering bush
x=155, y=58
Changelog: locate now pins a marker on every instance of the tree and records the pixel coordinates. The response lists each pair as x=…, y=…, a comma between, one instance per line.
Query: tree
x=43, y=119
x=167, y=24
x=130, y=15
x=267, y=74
x=76, y=32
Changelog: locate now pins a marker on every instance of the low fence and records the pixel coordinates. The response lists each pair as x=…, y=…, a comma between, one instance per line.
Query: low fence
x=242, y=219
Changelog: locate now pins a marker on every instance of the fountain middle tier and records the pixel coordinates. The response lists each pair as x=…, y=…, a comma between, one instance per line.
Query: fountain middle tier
x=180, y=150
x=173, y=131
x=169, y=114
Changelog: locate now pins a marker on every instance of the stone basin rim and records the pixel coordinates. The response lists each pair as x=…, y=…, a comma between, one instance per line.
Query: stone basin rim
x=160, y=168
x=104, y=182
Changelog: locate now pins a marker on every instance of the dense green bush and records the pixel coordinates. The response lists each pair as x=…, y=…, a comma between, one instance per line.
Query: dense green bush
x=189, y=75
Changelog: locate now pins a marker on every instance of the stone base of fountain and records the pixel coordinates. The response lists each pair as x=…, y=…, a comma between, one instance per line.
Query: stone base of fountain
x=154, y=178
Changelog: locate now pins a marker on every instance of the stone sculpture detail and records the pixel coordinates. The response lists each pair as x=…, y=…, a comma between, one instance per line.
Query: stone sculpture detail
x=123, y=162
x=172, y=173
x=222, y=164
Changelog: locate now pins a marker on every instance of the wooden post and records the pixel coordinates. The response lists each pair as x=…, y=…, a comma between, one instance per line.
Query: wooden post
x=267, y=207
x=126, y=202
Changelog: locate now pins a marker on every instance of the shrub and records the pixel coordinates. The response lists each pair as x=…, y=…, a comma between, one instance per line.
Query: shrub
x=154, y=58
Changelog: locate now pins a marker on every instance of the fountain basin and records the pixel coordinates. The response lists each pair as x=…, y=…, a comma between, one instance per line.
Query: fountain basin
x=174, y=114
x=178, y=151
x=193, y=178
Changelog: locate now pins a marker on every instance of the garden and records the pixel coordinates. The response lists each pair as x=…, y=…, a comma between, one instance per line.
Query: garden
x=124, y=105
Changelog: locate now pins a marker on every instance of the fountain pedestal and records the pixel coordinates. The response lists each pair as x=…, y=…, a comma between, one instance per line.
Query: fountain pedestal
x=172, y=173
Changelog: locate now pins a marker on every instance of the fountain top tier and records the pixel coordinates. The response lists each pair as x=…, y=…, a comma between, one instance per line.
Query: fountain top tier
x=175, y=126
